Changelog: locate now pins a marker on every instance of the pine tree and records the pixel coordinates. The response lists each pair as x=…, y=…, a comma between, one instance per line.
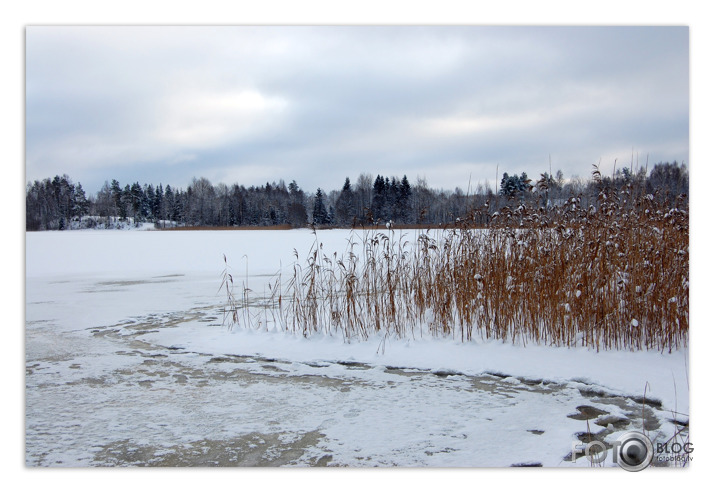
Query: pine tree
x=116, y=191
x=512, y=185
x=80, y=204
x=127, y=208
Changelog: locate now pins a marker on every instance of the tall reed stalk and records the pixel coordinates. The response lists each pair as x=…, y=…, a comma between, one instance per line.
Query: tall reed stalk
x=611, y=275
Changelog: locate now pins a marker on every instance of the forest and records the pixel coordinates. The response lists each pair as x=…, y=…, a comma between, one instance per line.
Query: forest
x=58, y=203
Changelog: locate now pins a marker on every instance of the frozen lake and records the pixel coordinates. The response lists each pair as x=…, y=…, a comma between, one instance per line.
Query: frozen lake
x=128, y=363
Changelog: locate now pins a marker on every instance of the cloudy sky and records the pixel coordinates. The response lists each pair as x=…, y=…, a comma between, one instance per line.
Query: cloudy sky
x=316, y=104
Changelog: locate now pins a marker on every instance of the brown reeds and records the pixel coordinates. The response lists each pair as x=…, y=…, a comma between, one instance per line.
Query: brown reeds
x=613, y=274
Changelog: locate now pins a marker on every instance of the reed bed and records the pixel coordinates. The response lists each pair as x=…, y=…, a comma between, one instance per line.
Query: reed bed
x=610, y=275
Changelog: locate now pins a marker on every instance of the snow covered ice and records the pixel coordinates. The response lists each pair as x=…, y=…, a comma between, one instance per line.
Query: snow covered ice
x=128, y=363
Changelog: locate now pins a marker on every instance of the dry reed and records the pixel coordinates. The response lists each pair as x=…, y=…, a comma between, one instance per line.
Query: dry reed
x=614, y=275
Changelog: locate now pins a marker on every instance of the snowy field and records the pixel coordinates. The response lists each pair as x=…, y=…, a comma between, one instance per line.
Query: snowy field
x=128, y=363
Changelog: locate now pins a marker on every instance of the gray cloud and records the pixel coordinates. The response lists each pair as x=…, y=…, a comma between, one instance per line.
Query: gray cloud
x=316, y=104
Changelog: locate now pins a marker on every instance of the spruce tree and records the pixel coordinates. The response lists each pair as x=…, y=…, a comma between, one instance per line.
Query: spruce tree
x=405, y=201
x=345, y=205
x=320, y=213
x=377, y=207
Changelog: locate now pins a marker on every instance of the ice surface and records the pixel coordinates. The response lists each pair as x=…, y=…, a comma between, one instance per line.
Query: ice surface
x=128, y=363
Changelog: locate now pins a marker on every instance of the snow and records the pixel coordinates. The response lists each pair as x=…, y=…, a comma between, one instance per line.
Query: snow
x=126, y=354
x=626, y=373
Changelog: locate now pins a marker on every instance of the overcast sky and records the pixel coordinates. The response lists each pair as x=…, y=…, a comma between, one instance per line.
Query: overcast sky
x=316, y=104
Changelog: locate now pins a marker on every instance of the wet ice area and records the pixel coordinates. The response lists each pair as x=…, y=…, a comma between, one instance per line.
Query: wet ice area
x=109, y=396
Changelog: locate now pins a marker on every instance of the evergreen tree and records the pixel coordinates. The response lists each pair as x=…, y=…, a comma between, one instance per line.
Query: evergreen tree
x=127, y=207
x=62, y=191
x=296, y=215
x=391, y=199
x=404, y=201
x=320, y=213
x=119, y=205
x=136, y=197
x=80, y=204
x=148, y=201
x=513, y=185
x=157, y=204
x=168, y=203
x=345, y=205
x=379, y=192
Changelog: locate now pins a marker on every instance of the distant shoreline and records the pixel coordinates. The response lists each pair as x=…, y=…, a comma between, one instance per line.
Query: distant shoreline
x=286, y=227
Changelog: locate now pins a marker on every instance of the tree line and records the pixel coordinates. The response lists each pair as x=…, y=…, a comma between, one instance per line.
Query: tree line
x=58, y=203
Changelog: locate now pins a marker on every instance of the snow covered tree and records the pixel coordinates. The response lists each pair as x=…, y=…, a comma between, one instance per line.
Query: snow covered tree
x=120, y=204
x=512, y=185
x=670, y=178
x=362, y=195
x=104, y=203
x=126, y=208
x=320, y=213
x=345, y=205
x=136, y=199
x=296, y=215
x=379, y=199
x=404, y=201
x=148, y=201
x=157, y=204
x=80, y=204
